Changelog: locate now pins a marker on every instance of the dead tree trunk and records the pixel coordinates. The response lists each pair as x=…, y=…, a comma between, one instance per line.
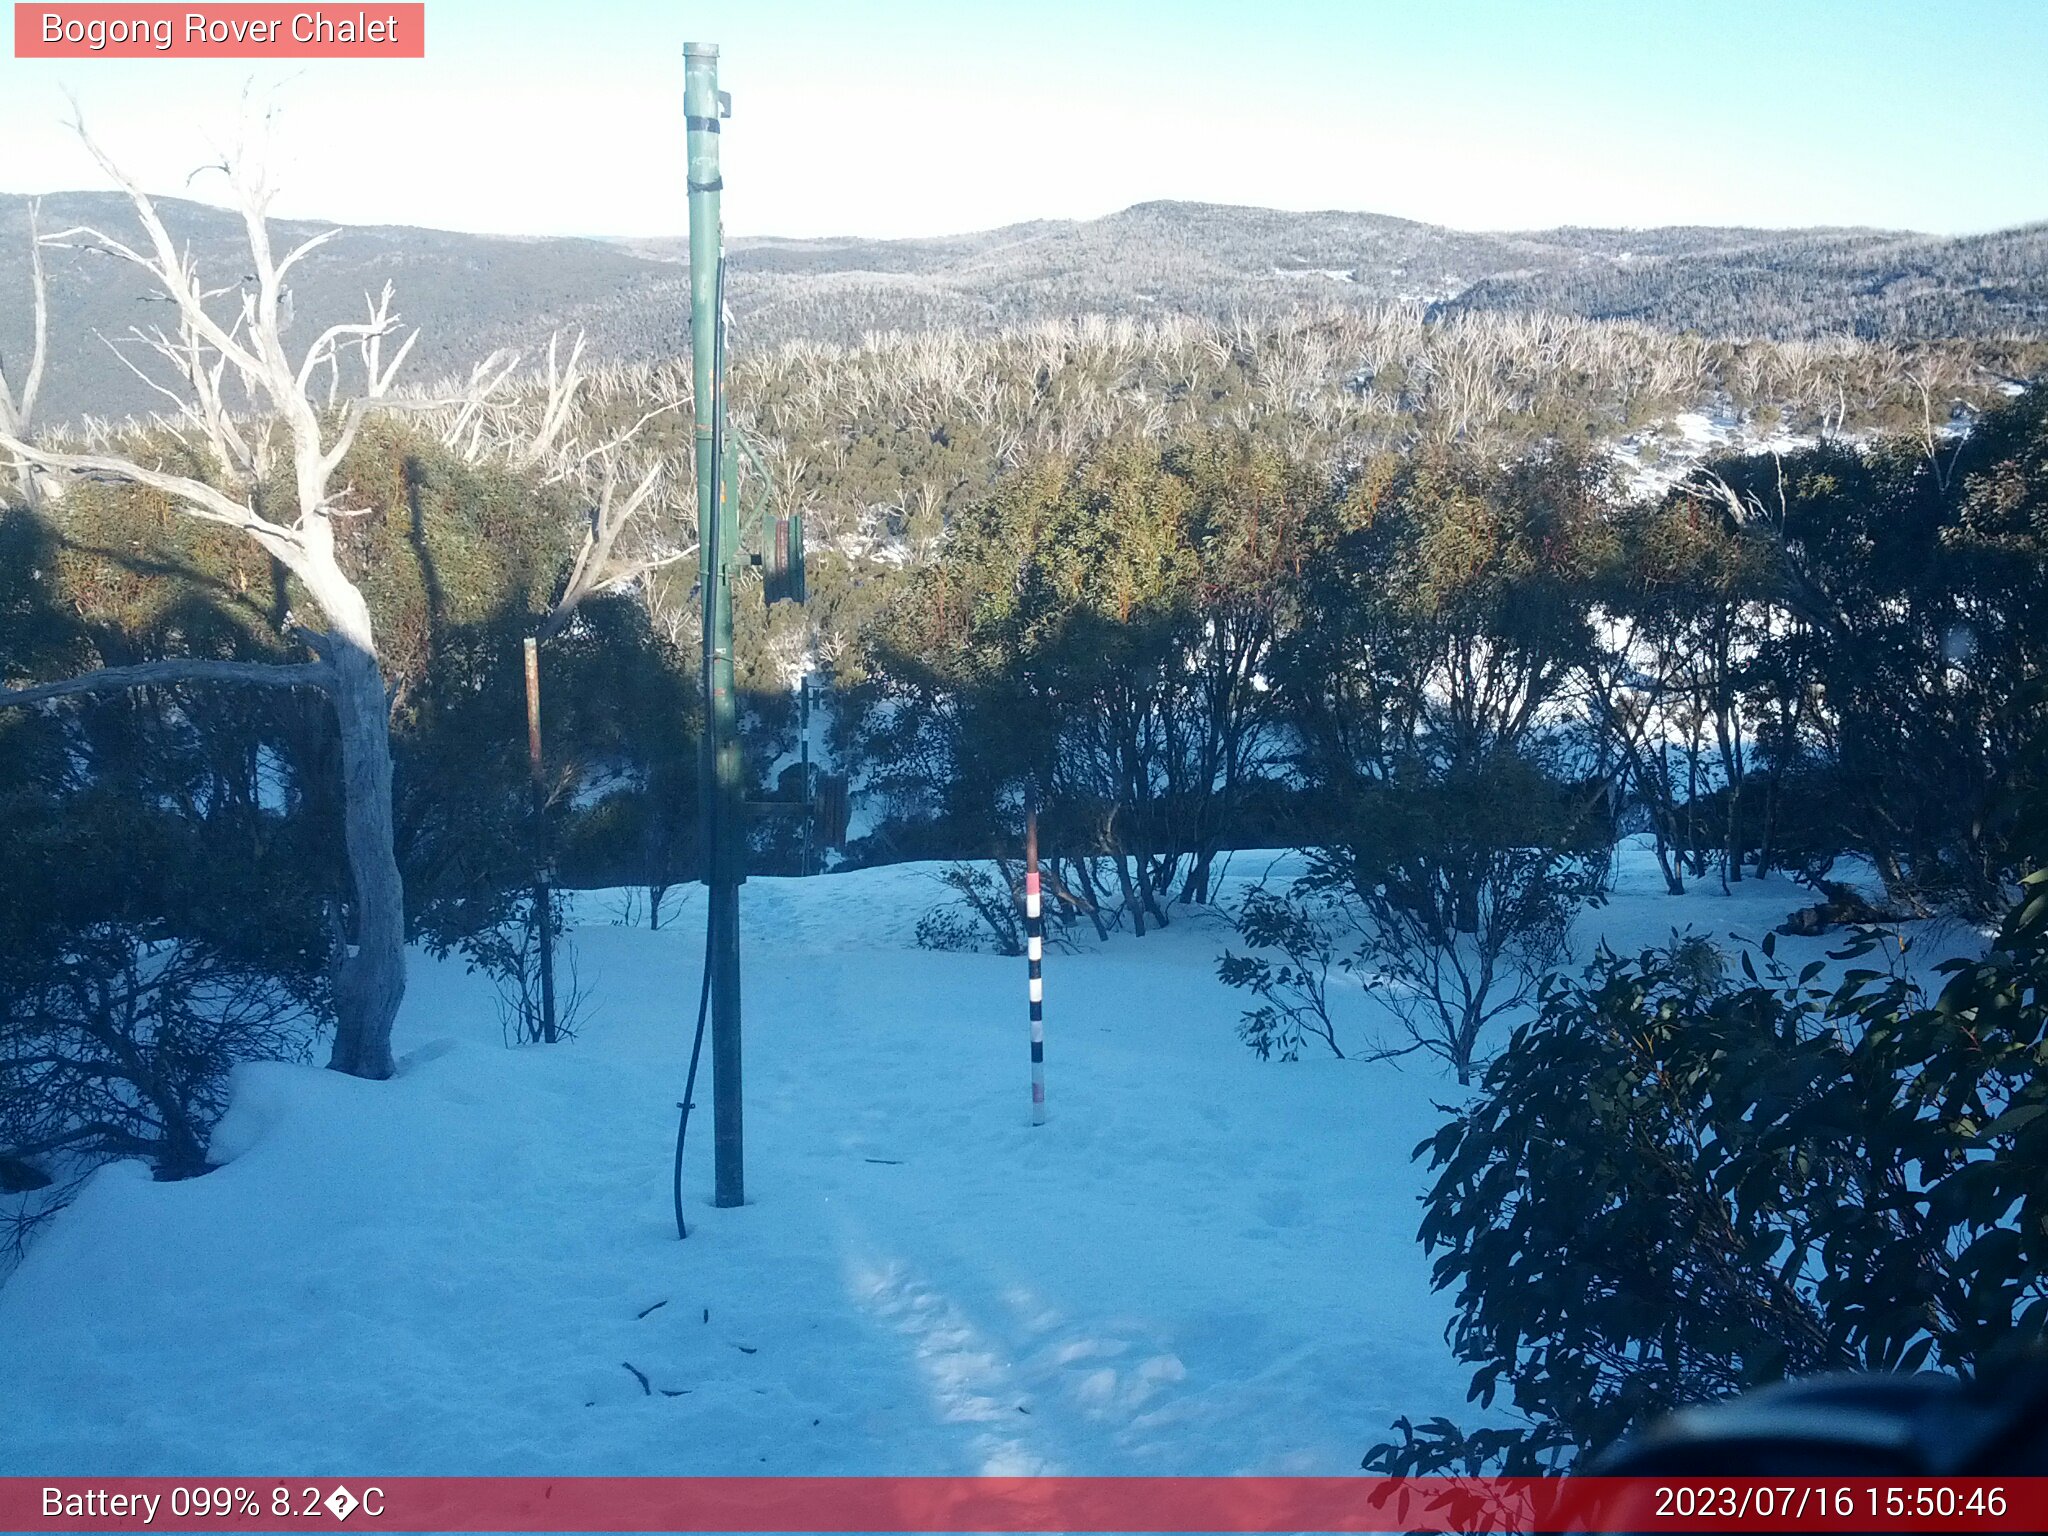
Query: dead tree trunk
x=307, y=443
x=370, y=981
x=18, y=406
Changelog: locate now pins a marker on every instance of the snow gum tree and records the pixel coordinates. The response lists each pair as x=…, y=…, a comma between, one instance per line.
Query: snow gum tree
x=272, y=464
x=1098, y=629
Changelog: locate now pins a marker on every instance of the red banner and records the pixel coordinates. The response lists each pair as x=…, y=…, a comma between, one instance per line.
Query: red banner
x=1090, y=1504
x=375, y=31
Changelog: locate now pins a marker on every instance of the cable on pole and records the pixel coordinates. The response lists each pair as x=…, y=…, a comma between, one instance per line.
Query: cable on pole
x=690, y=1083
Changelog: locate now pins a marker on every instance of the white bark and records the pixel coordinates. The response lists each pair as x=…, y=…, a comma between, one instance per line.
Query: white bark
x=536, y=434
x=599, y=567
x=562, y=384
x=17, y=410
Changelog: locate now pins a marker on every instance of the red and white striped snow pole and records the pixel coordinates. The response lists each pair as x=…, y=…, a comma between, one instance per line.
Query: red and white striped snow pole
x=1034, y=949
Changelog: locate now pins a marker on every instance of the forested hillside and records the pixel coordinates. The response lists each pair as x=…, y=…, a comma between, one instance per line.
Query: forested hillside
x=1871, y=285
x=474, y=293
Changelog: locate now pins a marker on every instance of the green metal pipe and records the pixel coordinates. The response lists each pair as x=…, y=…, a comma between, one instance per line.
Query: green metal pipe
x=717, y=512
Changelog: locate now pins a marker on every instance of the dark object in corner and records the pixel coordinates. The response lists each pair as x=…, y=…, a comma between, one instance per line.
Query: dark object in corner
x=1852, y=1425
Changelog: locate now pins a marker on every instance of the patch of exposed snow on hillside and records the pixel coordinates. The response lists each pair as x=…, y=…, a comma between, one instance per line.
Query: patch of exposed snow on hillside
x=1659, y=456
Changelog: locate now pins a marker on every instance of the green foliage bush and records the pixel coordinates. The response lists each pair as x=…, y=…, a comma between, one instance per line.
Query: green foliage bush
x=1675, y=1184
x=165, y=914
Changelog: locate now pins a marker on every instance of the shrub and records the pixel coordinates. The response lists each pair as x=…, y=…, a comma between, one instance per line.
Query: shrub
x=1302, y=926
x=118, y=1043
x=1675, y=1186
x=1450, y=900
x=985, y=913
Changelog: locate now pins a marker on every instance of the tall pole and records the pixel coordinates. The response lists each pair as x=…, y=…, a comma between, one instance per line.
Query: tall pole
x=717, y=539
x=543, y=896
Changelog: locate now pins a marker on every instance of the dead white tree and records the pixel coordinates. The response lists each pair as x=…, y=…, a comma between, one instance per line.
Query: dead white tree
x=1744, y=512
x=249, y=349
x=1926, y=378
x=17, y=409
x=563, y=382
x=600, y=564
x=535, y=426
x=469, y=426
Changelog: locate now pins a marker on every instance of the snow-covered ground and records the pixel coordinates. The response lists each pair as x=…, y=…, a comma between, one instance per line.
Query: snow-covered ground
x=1688, y=440
x=1202, y=1264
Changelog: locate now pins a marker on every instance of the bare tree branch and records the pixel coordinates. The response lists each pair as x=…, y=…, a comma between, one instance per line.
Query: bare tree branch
x=201, y=500
x=168, y=265
x=596, y=568
x=1747, y=514
x=562, y=384
x=155, y=674
x=17, y=413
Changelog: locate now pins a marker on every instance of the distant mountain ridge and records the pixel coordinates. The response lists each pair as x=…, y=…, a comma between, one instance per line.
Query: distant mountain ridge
x=472, y=293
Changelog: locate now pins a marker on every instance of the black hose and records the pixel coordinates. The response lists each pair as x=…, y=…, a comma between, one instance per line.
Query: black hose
x=690, y=1085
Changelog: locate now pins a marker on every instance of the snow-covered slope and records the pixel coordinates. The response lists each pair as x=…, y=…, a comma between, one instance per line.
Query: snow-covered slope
x=1654, y=460
x=1202, y=1264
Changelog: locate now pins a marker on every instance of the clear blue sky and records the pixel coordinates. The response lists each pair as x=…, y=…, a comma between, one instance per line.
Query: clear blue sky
x=920, y=118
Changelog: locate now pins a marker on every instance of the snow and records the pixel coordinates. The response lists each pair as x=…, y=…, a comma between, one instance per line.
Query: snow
x=1202, y=1264
x=1690, y=438
x=603, y=781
